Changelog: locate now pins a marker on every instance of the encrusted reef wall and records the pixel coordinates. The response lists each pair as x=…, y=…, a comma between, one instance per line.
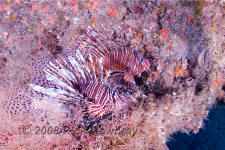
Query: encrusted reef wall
x=183, y=41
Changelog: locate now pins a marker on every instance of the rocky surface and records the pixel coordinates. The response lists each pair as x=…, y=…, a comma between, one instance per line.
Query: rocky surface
x=183, y=40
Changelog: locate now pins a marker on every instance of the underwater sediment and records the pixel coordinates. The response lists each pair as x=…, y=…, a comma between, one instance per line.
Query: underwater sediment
x=107, y=74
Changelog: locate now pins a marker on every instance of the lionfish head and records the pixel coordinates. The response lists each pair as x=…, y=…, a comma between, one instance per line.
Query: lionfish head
x=141, y=64
x=128, y=74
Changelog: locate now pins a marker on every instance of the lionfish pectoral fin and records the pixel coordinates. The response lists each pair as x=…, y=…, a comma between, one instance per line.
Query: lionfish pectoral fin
x=95, y=110
x=100, y=70
x=108, y=72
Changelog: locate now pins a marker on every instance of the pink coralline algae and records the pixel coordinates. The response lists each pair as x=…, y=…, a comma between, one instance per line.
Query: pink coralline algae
x=107, y=74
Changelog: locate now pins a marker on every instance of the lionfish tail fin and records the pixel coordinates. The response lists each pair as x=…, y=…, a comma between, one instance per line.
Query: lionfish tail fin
x=95, y=110
x=17, y=102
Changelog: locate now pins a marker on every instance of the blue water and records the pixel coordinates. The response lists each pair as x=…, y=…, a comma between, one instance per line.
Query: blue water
x=211, y=137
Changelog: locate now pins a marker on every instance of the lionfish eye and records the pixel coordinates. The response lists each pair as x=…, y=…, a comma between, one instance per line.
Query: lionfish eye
x=141, y=60
x=127, y=70
x=113, y=93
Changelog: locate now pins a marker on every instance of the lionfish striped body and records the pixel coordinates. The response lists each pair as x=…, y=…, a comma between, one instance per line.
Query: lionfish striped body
x=115, y=59
x=126, y=62
x=77, y=76
x=105, y=100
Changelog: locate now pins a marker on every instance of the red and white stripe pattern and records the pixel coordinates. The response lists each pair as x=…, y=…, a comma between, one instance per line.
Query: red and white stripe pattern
x=104, y=100
x=124, y=60
x=127, y=62
x=87, y=75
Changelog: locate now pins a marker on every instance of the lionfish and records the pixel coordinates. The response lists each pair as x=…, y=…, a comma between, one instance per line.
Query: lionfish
x=117, y=59
x=76, y=76
x=84, y=71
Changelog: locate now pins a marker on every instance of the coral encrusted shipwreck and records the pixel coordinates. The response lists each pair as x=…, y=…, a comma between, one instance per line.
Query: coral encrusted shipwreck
x=108, y=74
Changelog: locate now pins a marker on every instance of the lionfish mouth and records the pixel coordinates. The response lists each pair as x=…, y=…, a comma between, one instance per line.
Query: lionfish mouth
x=128, y=77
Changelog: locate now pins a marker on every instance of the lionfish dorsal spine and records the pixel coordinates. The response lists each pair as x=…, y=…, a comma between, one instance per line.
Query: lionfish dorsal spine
x=92, y=67
x=100, y=73
x=93, y=32
x=80, y=56
x=77, y=67
x=62, y=72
